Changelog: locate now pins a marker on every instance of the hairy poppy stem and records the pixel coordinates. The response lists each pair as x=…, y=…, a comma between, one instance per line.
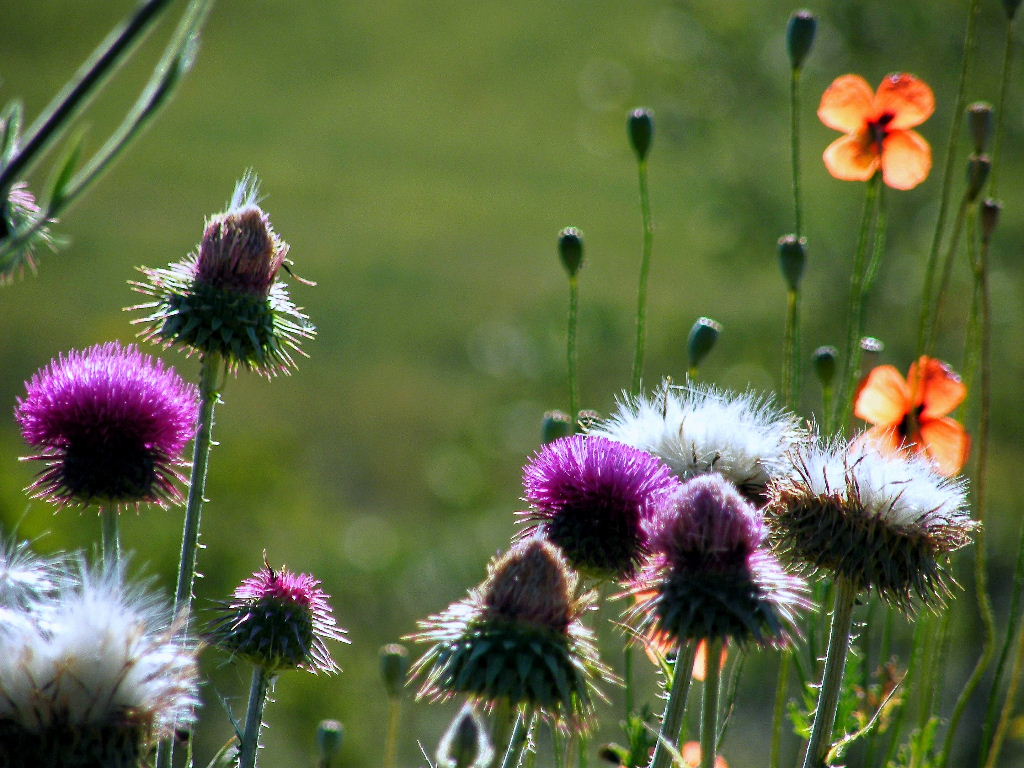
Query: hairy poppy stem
x=645, y=268
x=791, y=352
x=675, y=707
x=1004, y=88
x=832, y=678
x=574, y=297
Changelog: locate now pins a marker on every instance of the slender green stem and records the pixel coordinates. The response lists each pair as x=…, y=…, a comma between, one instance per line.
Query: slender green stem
x=502, y=722
x=1004, y=88
x=709, y=709
x=110, y=536
x=794, y=143
x=557, y=747
x=1009, y=704
x=779, y=712
x=832, y=678
x=627, y=678
x=980, y=264
x=791, y=352
x=114, y=49
x=675, y=707
x=574, y=398
x=1012, y=626
x=250, y=739
x=854, y=314
x=584, y=750
x=927, y=316
x=516, y=745
x=645, y=268
x=394, y=723
x=945, y=275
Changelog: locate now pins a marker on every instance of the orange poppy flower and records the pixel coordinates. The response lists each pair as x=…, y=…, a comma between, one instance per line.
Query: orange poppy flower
x=691, y=754
x=914, y=411
x=877, y=126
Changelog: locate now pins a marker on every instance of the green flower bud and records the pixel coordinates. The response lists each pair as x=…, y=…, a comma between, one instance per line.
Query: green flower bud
x=329, y=735
x=641, y=131
x=465, y=744
x=978, y=167
x=394, y=663
x=990, y=210
x=980, y=120
x=800, y=36
x=792, y=258
x=825, y=364
x=570, y=250
x=703, y=336
x=556, y=424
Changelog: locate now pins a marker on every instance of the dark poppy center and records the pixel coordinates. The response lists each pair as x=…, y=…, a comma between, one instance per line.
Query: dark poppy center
x=879, y=128
x=112, y=468
x=911, y=424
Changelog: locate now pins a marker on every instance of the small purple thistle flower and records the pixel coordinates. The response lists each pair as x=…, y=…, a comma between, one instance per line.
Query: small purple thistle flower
x=712, y=574
x=592, y=497
x=279, y=620
x=111, y=423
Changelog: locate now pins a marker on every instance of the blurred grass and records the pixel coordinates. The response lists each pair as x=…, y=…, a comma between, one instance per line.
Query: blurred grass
x=420, y=159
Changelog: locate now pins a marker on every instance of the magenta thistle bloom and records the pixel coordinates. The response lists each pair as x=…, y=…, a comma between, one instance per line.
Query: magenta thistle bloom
x=19, y=216
x=279, y=620
x=226, y=298
x=712, y=574
x=111, y=423
x=592, y=496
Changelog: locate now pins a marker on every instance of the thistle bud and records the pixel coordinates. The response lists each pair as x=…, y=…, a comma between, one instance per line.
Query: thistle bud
x=556, y=424
x=570, y=250
x=329, y=735
x=587, y=419
x=800, y=36
x=465, y=744
x=792, y=258
x=978, y=167
x=394, y=663
x=703, y=336
x=825, y=364
x=990, y=210
x=641, y=131
x=980, y=120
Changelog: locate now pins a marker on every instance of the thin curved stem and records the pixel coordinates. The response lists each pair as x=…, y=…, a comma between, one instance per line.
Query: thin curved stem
x=249, y=744
x=391, y=740
x=832, y=678
x=794, y=144
x=675, y=707
x=1004, y=88
x=645, y=268
x=791, y=352
x=574, y=297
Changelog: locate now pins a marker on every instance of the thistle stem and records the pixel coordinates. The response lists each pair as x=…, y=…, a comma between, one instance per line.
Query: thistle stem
x=645, y=268
x=781, y=692
x=516, y=745
x=675, y=707
x=208, y=394
x=391, y=742
x=249, y=743
x=832, y=678
x=574, y=296
x=110, y=536
x=709, y=710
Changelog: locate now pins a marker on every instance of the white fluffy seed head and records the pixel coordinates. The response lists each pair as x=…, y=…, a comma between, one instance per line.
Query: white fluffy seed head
x=698, y=428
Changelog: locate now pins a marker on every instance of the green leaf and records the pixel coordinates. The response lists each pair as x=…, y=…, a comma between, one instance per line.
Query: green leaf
x=11, y=120
x=66, y=171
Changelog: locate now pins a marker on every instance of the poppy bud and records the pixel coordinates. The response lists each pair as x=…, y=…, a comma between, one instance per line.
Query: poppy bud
x=990, y=210
x=641, y=131
x=329, y=735
x=394, y=663
x=556, y=424
x=792, y=257
x=570, y=249
x=980, y=120
x=825, y=364
x=703, y=336
x=978, y=167
x=1011, y=6
x=800, y=36
x=465, y=744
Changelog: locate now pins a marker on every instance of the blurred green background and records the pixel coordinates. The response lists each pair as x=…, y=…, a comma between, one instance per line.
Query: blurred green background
x=421, y=158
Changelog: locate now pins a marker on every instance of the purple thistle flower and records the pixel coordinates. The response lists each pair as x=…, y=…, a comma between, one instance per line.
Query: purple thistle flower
x=712, y=574
x=279, y=620
x=592, y=497
x=111, y=423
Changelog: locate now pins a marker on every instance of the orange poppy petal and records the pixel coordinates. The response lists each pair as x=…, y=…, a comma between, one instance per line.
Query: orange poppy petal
x=908, y=99
x=940, y=389
x=691, y=755
x=906, y=159
x=846, y=104
x=852, y=158
x=883, y=398
x=947, y=443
